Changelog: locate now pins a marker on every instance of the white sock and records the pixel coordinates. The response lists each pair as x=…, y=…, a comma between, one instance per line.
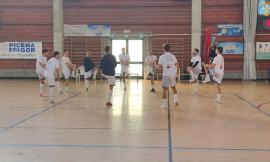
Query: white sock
x=208, y=76
x=66, y=88
x=153, y=86
x=86, y=83
x=51, y=93
x=58, y=86
x=195, y=87
x=192, y=74
x=219, y=96
x=175, y=98
x=164, y=103
x=41, y=87
x=110, y=96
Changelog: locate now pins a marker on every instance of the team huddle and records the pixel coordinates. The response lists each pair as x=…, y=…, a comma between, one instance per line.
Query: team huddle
x=167, y=63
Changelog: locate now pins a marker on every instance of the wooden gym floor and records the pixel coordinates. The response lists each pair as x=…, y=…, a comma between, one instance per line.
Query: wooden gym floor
x=79, y=127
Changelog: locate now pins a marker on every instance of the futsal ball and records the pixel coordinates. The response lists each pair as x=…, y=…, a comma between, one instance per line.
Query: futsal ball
x=73, y=66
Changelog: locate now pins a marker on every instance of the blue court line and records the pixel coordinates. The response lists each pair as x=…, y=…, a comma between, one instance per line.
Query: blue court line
x=222, y=149
x=36, y=114
x=251, y=104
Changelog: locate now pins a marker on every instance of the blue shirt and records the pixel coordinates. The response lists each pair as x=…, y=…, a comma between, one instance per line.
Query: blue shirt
x=88, y=64
x=108, y=64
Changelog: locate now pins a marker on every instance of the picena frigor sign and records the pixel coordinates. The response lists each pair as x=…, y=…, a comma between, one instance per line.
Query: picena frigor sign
x=22, y=47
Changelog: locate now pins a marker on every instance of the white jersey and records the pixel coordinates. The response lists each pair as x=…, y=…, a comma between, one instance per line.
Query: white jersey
x=219, y=62
x=168, y=61
x=150, y=61
x=195, y=59
x=65, y=60
x=51, y=66
x=124, y=58
x=41, y=59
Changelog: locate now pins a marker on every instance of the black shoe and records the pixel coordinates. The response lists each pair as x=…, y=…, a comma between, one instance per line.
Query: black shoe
x=86, y=89
x=153, y=90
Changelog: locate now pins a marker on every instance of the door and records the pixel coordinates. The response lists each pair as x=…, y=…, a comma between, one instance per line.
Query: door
x=135, y=50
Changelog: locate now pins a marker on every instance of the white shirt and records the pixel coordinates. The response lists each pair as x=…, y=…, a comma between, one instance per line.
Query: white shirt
x=168, y=61
x=65, y=60
x=196, y=58
x=124, y=58
x=219, y=62
x=41, y=59
x=151, y=60
x=51, y=66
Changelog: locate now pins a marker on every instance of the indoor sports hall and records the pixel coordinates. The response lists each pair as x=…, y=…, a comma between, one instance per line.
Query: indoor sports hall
x=134, y=81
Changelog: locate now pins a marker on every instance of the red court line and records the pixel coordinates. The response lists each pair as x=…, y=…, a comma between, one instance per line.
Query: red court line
x=260, y=105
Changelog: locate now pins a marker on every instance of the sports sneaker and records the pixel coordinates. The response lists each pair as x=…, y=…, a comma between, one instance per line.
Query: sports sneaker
x=109, y=104
x=217, y=101
x=153, y=90
x=207, y=79
x=163, y=107
x=191, y=80
x=42, y=95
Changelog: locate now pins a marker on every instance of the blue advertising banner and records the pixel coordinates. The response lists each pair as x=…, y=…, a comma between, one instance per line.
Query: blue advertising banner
x=20, y=50
x=232, y=47
x=99, y=30
x=230, y=30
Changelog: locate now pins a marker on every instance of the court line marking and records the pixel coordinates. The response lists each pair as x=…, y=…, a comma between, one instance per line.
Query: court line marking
x=262, y=104
x=37, y=113
x=140, y=147
x=66, y=128
x=169, y=130
x=251, y=104
x=222, y=149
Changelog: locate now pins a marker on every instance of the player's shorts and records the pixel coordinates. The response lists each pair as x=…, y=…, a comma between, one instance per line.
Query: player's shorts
x=168, y=81
x=40, y=74
x=51, y=80
x=66, y=73
x=197, y=71
x=124, y=70
x=211, y=71
x=111, y=79
x=218, y=78
x=87, y=74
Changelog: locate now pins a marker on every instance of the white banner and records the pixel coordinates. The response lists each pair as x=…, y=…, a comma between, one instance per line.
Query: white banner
x=75, y=30
x=20, y=50
x=87, y=30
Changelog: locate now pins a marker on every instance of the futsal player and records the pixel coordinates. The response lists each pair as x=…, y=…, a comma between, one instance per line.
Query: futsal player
x=169, y=65
x=89, y=69
x=195, y=68
x=108, y=64
x=67, y=67
x=52, y=74
x=124, y=62
x=218, y=71
x=151, y=63
x=40, y=68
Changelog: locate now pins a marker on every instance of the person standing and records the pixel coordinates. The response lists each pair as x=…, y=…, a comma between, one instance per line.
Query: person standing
x=52, y=74
x=169, y=65
x=151, y=63
x=124, y=61
x=108, y=64
x=89, y=68
x=40, y=69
